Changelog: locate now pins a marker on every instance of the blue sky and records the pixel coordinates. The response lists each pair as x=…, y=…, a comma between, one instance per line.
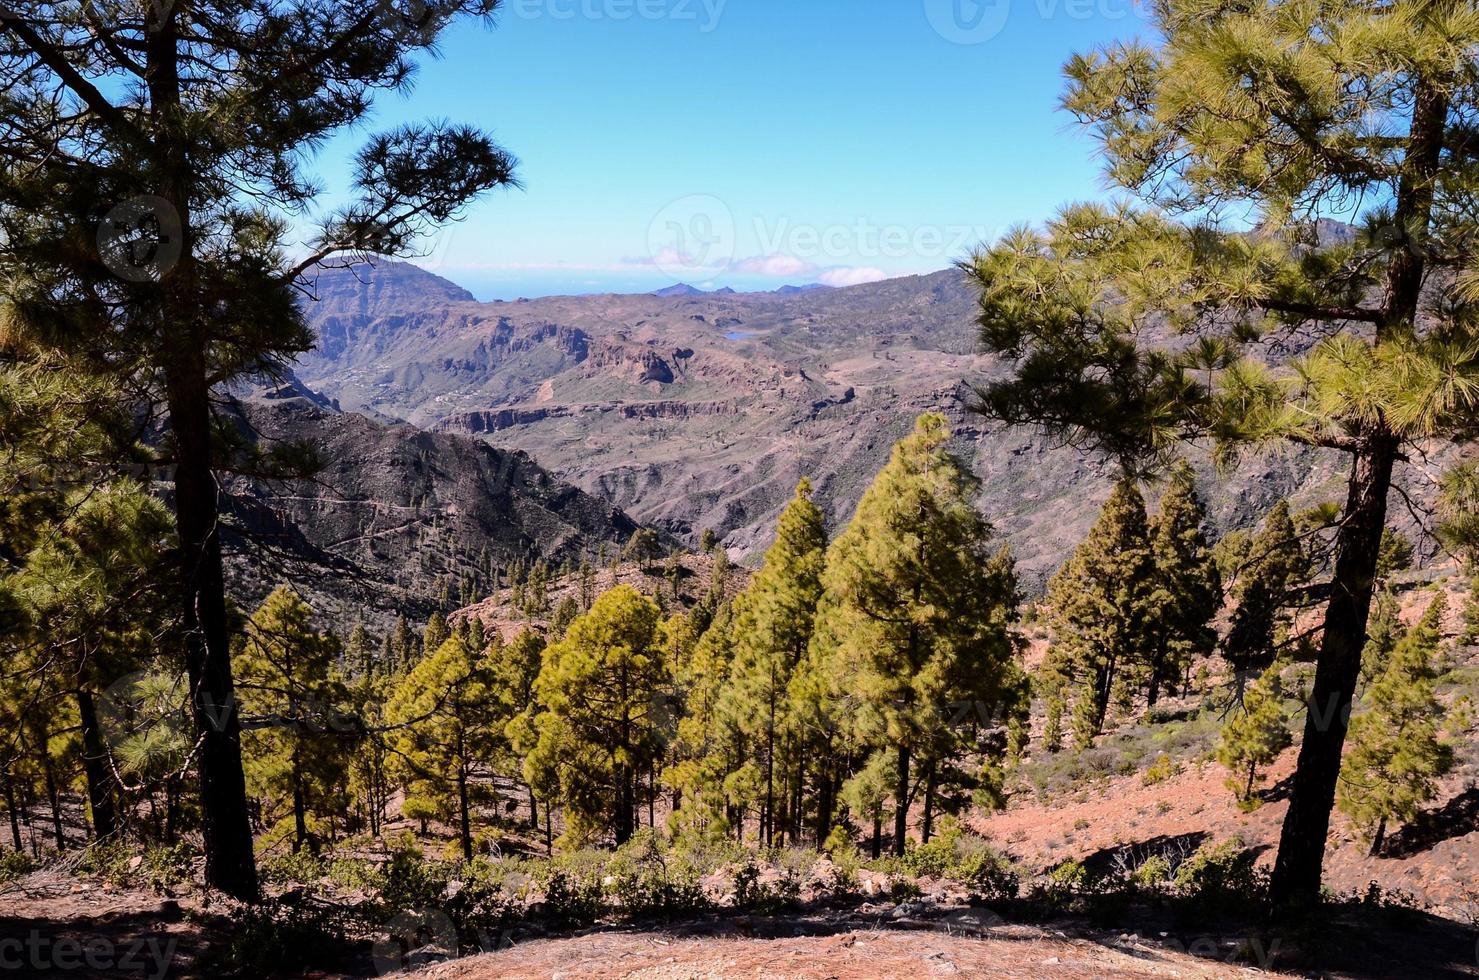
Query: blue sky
x=753, y=143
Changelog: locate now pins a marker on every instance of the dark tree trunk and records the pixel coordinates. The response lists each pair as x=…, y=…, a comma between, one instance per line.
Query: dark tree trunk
x=767, y=822
x=877, y=836
x=1379, y=838
x=901, y=799
x=54, y=796
x=300, y=819
x=929, y=802
x=1298, y=869
x=229, y=862
x=13, y=810
x=99, y=785
x=798, y=789
x=824, y=799
x=533, y=810
x=464, y=824
x=625, y=805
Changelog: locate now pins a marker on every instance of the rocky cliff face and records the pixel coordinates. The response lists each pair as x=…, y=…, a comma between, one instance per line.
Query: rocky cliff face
x=702, y=411
x=398, y=514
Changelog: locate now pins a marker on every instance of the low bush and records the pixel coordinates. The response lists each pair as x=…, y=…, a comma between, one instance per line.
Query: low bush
x=15, y=864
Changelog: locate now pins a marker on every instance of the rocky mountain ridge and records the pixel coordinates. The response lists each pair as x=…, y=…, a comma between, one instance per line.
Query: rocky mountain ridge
x=702, y=411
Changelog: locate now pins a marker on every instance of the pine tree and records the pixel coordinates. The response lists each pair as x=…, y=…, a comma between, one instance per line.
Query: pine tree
x=1383, y=631
x=592, y=727
x=1396, y=756
x=1272, y=564
x=868, y=791
x=706, y=746
x=513, y=669
x=773, y=622
x=642, y=547
x=445, y=725
x=1395, y=555
x=913, y=597
x=707, y=540
x=360, y=649
x=1255, y=735
x=1102, y=610
x=191, y=284
x=566, y=612
x=436, y=633
x=1187, y=590
x=293, y=699
x=1268, y=111
x=1470, y=635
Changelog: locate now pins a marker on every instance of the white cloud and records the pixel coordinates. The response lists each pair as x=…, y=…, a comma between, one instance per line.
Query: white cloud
x=846, y=275
x=775, y=266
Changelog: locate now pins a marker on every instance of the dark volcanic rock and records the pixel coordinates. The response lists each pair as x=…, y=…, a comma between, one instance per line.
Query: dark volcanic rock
x=398, y=513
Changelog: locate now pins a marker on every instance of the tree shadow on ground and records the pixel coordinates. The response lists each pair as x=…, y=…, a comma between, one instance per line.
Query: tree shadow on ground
x=1457, y=817
x=1171, y=849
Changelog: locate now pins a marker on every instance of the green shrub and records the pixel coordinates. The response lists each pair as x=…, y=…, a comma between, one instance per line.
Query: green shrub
x=765, y=898
x=1154, y=872
x=280, y=937
x=109, y=860
x=1222, y=877
x=167, y=867
x=967, y=859
x=302, y=868
x=411, y=882
x=1162, y=769
x=646, y=879
x=15, y=864
x=571, y=901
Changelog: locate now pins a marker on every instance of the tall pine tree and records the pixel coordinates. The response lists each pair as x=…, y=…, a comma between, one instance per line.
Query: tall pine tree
x=155, y=174
x=1101, y=604
x=1286, y=114
x=773, y=621
x=1396, y=755
x=913, y=598
x=1187, y=590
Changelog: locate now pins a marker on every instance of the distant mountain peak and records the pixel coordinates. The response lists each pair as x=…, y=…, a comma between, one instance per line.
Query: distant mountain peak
x=789, y=290
x=678, y=289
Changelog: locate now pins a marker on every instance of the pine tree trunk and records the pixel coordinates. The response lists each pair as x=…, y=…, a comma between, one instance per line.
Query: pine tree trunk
x=877, y=836
x=533, y=811
x=901, y=796
x=99, y=785
x=824, y=799
x=798, y=788
x=929, y=802
x=229, y=862
x=14, y=811
x=464, y=813
x=768, y=823
x=1298, y=869
x=1379, y=838
x=53, y=794
x=300, y=807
